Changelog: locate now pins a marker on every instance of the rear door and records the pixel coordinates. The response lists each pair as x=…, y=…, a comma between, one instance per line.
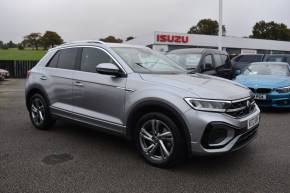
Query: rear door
x=98, y=99
x=58, y=80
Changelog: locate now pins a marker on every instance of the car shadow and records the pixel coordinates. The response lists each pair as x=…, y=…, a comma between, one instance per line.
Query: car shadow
x=124, y=148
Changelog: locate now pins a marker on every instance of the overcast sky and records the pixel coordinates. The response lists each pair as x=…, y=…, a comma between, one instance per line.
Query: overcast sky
x=94, y=19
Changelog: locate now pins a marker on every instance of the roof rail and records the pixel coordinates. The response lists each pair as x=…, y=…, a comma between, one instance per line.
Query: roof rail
x=83, y=41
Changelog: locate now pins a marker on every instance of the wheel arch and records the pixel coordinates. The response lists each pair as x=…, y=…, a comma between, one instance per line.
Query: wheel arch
x=162, y=107
x=33, y=90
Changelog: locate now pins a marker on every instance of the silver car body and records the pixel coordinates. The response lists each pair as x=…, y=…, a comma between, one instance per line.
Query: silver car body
x=109, y=102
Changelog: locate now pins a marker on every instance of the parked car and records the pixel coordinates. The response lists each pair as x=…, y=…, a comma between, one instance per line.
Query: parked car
x=206, y=61
x=4, y=74
x=277, y=58
x=143, y=95
x=2, y=77
x=242, y=61
x=269, y=81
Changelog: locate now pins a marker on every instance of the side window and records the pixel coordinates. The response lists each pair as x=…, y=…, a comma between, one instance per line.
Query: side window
x=226, y=61
x=67, y=58
x=207, y=59
x=53, y=62
x=276, y=59
x=91, y=57
x=218, y=60
x=250, y=58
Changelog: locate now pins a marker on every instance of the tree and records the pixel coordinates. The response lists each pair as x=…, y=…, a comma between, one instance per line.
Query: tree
x=207, y=27
x=33, y=39
x=51, y=39
x=271, y=31
x=111, y=39
x=11, y=44
x=130, y=38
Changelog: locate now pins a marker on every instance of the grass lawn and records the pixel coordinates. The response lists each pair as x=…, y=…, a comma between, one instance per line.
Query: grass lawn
x=15, y=54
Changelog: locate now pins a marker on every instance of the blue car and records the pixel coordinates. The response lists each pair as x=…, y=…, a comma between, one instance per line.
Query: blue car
x=270, y=83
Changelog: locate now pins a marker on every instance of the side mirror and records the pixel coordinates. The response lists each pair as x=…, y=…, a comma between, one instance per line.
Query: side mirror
x=109, y=69
x=207, y=67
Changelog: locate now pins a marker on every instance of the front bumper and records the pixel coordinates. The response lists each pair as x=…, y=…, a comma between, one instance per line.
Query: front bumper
x=275, y=99
x=198, y=123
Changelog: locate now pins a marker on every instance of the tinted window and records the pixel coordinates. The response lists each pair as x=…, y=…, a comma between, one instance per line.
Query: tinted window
x=276, y=59
x=67, y=58
x=53, y=62
x=249, y=58
x=91, y=57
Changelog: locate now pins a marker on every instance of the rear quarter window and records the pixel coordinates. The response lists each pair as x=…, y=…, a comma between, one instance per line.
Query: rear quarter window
x=53, y=61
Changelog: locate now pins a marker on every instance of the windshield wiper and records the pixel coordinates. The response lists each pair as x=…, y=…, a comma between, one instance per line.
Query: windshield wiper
x=191, y=70
x=140, y=64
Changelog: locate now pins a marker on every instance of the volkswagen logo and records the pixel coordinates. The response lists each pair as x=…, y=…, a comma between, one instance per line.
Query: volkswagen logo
x=248, y=104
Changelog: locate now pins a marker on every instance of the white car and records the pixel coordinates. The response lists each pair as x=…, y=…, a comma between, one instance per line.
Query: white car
x=4, y=74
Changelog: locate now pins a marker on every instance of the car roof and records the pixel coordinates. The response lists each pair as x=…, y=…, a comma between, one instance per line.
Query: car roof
x=94, y=43
x=196, y=50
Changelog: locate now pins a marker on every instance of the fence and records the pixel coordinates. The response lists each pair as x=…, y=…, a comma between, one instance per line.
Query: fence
x=17, y=68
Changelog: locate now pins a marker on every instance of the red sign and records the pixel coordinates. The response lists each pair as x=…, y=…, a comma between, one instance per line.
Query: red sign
x=172, y=38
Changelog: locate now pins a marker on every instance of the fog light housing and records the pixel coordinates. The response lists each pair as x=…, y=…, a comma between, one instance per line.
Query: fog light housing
x=217, y=136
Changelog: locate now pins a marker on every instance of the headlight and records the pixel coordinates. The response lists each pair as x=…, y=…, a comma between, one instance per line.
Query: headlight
x=283, y=89
x=208, y=105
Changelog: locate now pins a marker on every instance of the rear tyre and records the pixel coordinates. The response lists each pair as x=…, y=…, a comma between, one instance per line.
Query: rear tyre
x=159, y=141
x=39, y=112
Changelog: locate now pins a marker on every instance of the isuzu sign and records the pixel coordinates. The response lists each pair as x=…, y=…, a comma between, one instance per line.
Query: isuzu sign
x=172, y=38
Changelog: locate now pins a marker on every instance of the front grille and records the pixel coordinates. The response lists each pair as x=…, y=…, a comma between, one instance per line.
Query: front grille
x=261, y=90
x=241, y=108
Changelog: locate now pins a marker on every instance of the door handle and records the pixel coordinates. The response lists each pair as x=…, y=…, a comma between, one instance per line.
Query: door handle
x=43, y=78
x=78, y=83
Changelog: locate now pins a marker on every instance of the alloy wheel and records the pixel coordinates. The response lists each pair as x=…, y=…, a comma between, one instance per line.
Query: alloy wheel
x=156, y=140
x=37, y=111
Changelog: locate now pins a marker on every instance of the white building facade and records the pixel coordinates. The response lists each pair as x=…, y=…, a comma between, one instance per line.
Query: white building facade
x=166, y=41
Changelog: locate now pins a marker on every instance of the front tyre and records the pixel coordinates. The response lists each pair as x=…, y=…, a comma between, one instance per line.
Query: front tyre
x=158, y=140
x=39, y=112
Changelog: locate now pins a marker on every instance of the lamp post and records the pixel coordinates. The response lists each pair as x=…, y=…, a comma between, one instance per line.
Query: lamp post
x=220, y=24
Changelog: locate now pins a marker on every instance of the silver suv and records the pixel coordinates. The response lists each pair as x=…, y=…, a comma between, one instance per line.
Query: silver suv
x=143, y=95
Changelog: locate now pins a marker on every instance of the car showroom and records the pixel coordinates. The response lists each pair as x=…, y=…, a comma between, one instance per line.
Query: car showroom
x=167, y=41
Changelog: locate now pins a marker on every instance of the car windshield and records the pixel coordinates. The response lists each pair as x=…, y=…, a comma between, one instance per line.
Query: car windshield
x=144, y=60
x=189, y=61
x=267, y=69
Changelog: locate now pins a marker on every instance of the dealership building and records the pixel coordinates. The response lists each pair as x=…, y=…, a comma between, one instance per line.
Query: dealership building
x=166, y=41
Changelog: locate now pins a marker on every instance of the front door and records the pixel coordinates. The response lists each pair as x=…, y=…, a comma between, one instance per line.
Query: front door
x=98, y=99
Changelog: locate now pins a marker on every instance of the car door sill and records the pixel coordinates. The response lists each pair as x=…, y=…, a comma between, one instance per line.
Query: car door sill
x=110, y=126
